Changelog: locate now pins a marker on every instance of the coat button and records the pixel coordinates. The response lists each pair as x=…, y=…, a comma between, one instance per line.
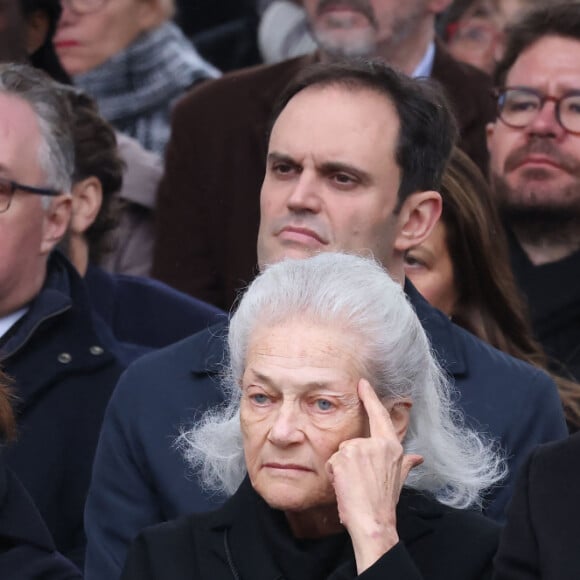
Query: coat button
x=96, y=350
x=64, y=358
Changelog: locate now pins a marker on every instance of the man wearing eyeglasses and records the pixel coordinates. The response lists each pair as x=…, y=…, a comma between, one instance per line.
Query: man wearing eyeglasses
x=535, y=171
x=59, y=356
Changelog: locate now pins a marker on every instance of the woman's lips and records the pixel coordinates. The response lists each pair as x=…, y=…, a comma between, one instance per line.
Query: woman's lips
x=286, y=466
x=65, y=43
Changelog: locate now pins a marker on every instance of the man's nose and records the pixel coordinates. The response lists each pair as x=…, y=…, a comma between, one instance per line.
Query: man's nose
x=305, y=194
x=545, y=123
x=287, y=427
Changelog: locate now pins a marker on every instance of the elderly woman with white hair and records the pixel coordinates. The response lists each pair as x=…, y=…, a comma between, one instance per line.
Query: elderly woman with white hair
x=339, y=443
x=130, y=57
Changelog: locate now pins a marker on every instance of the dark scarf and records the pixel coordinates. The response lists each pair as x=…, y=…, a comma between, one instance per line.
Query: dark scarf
x=136, y=88
x=330, y=558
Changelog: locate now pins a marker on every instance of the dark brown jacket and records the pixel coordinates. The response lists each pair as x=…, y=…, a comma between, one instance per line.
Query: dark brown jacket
x=208, y=202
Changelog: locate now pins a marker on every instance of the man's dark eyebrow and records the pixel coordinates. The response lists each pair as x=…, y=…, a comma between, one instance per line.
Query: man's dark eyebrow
x=332, y=167
x=327, y=168
x=275, y=157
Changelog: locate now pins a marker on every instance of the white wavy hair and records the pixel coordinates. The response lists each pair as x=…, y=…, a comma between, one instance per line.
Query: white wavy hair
x=356, y=295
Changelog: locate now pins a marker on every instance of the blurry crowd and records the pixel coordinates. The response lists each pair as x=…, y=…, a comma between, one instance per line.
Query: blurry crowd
x=158, y=156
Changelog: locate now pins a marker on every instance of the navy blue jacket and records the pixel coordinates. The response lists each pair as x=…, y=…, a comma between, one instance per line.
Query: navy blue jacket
x=27, y=551
x=139, y=477
x=145, y=312
x=64, y=372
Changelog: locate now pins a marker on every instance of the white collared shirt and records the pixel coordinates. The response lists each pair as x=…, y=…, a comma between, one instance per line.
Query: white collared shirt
x=425, y=67
x=7, y=322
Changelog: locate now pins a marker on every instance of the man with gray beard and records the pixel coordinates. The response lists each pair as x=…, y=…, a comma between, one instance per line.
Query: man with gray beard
x=535, y=170
x=208, y=210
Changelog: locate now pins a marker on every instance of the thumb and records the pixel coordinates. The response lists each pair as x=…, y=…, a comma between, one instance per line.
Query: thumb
x=409, y=462
x=330, y=471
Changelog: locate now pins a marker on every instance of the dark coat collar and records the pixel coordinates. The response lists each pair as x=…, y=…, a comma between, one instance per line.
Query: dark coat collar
x=208, y=354
x=229, y=524
x=58, y=336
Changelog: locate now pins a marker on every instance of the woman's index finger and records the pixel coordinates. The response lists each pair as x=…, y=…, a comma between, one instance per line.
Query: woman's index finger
x=380, y=423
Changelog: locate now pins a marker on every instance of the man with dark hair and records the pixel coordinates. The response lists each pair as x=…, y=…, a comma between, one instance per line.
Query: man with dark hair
x=208, y=210
x=341, y=175
x=535, y=172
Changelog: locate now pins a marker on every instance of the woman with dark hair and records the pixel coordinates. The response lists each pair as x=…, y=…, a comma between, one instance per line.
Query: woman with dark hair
x=27, y=550
x=41, y=18
x=464, y=270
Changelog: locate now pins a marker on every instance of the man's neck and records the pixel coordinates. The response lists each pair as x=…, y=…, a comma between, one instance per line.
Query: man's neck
x=543, y=247
x=406, y=55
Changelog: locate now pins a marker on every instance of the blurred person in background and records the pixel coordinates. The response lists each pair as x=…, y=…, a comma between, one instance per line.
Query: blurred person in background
x=120, y=300
x=534, y=149
x=463, y=269
x=474, y=30
x=132, y=59
x=33, y=26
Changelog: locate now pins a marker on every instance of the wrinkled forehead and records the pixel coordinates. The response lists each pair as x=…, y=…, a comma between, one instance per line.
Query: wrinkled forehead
x=550, y=60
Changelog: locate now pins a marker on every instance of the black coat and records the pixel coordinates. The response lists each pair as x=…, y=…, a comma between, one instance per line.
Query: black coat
x=540, y=540
x=27, y=551
x=64, y=370
x=437, y=543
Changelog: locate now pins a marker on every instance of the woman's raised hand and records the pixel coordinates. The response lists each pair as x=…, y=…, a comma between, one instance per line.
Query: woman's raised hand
x=368, y=475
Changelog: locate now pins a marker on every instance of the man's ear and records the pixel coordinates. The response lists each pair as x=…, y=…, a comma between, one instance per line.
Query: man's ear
x=417, y=218
x=56, y=222
x=37, y=26
x=400, y=412
x=86, y=202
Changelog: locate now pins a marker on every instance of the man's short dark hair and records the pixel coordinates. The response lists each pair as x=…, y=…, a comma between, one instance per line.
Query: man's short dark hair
x=556, y=20
x=428, y=129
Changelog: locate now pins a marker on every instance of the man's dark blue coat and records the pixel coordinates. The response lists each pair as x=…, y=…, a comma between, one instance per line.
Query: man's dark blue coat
x=140, y=479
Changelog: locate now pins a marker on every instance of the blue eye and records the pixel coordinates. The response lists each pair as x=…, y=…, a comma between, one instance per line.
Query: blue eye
x=324, y=404
x=259, y=399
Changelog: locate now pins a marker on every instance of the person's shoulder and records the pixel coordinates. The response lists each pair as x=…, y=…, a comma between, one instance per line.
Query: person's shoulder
x=163, y=295
x=482, y=355
x=448, y=520
x=443, y=541
x=553, y=458
x=265, y=80
x=204, y=348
